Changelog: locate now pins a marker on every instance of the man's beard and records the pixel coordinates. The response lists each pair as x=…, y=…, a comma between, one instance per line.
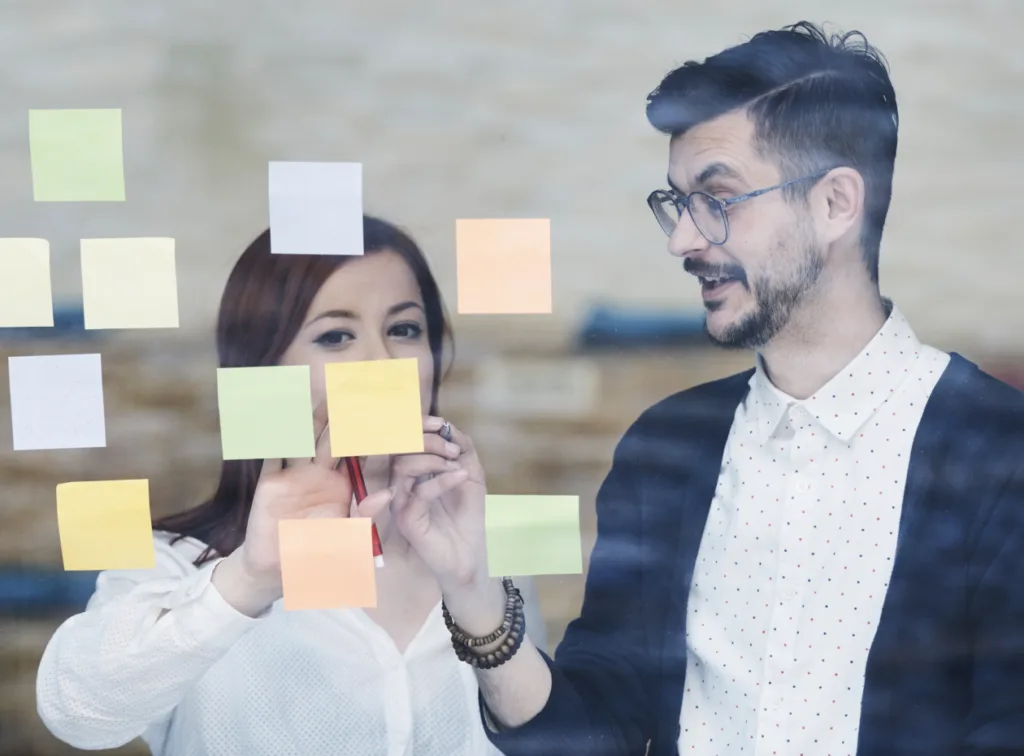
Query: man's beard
x=774, y=303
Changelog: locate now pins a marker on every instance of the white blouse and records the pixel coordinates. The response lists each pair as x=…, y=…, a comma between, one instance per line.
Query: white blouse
x=206, y=679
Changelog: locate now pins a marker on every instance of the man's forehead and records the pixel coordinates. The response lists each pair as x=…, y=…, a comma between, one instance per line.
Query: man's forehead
x=721, y=148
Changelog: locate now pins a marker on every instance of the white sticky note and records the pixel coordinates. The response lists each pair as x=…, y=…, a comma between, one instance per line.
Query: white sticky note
x=316, y=208
x=129, y=283
x=57, y=402
x=26, y=298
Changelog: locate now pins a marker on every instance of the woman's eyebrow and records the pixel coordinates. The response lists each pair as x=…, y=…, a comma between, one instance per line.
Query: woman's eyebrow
x=348, y=314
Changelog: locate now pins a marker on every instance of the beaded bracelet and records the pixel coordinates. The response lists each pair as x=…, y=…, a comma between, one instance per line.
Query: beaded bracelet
x=513, y=623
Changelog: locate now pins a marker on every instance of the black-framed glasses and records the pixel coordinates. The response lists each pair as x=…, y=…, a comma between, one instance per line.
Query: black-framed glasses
x=708, y=212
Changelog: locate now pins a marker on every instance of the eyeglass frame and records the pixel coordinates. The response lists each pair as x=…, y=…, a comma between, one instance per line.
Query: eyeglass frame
x=682, y=202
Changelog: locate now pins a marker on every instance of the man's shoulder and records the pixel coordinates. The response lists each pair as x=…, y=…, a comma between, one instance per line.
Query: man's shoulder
x=980, y=401
x=707, y=407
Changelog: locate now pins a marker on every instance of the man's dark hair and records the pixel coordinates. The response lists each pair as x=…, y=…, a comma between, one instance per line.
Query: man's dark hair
x=816, y=100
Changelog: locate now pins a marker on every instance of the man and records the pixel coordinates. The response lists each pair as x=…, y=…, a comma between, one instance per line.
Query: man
x=822, y=555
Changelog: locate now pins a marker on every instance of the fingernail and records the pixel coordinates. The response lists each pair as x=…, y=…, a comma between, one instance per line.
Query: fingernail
x=452, y=449
x=461, y=473
x=452, y=464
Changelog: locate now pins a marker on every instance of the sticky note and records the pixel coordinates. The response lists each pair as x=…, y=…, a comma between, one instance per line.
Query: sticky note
x=265, y=412
x=374, y=408
x=129, y=283
x=316, y=208
x=503, y=266
x=57, y=402
x=77, y=155
x=327, y=563
x=26, y=297
x=533, y=535
x=105, y=525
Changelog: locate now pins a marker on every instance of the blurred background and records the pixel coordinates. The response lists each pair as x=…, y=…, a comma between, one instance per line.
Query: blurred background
x=461, y=109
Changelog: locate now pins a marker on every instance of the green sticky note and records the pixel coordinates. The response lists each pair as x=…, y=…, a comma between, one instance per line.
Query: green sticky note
x=533, y=535
x=265, y=412
x=77, y=155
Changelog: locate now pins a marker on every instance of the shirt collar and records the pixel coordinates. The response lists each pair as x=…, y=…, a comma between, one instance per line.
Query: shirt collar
x=846, y=402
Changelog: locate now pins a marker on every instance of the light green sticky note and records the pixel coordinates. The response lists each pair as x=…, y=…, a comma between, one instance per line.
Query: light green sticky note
x=533, y=535
x=265, y=412
x=77, y=155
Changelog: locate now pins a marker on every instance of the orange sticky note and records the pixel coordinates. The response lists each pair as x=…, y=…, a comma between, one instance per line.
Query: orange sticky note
x=374, y=407
x=105, y=525
x=327, y=563
x=504, y=266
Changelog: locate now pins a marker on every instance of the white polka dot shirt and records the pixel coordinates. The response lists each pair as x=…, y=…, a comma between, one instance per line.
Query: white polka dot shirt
x=797, y=552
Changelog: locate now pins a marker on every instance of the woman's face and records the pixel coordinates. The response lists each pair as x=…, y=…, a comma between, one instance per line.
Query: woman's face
x=369, y=309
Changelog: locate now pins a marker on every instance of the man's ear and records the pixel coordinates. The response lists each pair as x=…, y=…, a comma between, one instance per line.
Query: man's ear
x=838, y=202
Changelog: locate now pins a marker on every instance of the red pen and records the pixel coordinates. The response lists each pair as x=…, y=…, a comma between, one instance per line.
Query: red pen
x=355, y=475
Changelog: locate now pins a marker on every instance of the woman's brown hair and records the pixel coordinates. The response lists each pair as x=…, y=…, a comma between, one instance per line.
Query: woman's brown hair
x=263, y=307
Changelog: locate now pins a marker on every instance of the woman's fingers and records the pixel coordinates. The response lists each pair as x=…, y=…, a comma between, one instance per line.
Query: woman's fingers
x=436, y=487
x=415, y=465
x=271, y=466
x=375, y=503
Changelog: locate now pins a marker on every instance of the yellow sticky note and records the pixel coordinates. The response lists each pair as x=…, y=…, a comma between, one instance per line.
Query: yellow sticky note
x=26, y=297
x=374, y=408
x=533, y=535
x=327, y=563
x=129, y=283
x=77, y=155
x=105, y=525
x=503, y=266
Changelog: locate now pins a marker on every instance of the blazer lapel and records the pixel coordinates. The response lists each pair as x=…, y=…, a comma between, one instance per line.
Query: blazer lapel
x=695, y=444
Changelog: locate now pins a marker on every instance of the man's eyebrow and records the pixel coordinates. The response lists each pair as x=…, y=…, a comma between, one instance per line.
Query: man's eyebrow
x=717, y=170
x=714, y=170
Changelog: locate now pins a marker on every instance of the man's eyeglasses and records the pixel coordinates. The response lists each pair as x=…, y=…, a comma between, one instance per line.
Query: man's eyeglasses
x=708, y=212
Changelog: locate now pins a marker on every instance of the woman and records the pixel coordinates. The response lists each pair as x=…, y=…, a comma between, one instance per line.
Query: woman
x=198, y=656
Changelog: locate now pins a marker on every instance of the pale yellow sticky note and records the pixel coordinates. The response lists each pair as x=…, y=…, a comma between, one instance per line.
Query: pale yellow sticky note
x=374, y=408
x=105, y=525
x=129, y=283
x=327, y=563
x=26, y=296
x=503, y=266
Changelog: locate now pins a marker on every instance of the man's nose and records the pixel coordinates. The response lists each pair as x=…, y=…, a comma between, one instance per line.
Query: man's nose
x=685, y=239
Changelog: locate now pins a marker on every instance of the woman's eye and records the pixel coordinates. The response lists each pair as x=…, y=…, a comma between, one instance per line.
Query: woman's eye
x=333, y=338
x=406, y=330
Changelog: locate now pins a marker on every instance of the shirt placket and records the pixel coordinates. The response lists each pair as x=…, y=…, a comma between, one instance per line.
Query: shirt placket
x=397, y=695
x=774, y=720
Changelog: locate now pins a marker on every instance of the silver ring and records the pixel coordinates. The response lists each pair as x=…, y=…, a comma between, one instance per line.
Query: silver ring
x=446, y=431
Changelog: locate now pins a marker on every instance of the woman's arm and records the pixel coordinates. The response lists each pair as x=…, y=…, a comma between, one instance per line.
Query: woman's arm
x=121, y=666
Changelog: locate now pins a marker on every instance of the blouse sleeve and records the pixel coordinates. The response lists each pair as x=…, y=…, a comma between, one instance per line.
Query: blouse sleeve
x=117, y=670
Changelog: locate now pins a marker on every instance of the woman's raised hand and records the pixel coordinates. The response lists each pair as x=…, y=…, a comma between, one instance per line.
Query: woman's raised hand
x=250, y=578
x=438, y=505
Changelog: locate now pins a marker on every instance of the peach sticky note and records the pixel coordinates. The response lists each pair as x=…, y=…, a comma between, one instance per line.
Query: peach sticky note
x=327, y=563
x=77, y=155
x=374, y=408
x=504, y=266
x=129, y=283
x=26, y=297
x=105, y=525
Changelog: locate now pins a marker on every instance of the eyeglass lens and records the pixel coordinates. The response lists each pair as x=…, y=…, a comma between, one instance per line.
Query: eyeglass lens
x=706, y=211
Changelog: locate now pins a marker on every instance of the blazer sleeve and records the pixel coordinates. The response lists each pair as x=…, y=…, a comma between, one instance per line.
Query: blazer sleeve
x=602, y=690
x=995, y=724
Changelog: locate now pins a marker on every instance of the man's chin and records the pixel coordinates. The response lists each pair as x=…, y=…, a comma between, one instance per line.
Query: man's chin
x=725, y=329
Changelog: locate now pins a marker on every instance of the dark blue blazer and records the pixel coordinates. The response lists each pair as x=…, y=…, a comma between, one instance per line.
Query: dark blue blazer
x=945, y=674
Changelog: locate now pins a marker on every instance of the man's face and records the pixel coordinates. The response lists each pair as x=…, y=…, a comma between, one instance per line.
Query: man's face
x=771, y=259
